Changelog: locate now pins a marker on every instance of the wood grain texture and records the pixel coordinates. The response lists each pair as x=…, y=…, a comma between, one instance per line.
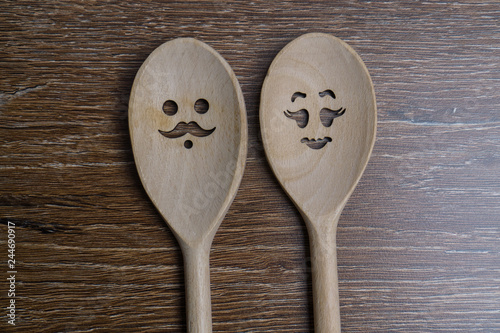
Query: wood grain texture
x=188, y=130
x=313, y=80
x=418, y=241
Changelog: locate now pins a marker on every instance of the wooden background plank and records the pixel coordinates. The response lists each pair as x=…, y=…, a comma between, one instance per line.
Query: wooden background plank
x=418, y=240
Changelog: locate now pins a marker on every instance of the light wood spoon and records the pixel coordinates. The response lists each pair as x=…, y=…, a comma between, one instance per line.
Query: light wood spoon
x=188, y=129
x=318, y=121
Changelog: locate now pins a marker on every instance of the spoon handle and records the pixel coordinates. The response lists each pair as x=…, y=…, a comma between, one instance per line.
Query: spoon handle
x=197, y=281
x=325, y=281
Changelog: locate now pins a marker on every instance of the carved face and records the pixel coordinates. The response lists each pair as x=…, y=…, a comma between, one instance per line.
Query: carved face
x=326, y=114
x=330, y=138
x=170, y=108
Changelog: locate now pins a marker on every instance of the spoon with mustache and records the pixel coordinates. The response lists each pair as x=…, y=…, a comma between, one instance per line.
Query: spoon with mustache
x=319, y=181
x=191, y=188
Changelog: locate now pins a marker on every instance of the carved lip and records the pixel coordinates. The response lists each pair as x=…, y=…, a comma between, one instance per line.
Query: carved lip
x=316, y=143
x=182, y=128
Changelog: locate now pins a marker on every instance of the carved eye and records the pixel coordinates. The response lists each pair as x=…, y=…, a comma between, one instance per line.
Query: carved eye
x=201, y=106
x=301, y=117
x=327, y=115
x=170, y=108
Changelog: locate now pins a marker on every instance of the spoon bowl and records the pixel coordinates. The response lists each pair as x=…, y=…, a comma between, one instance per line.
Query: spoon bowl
x=188, y=130
x=318, y=122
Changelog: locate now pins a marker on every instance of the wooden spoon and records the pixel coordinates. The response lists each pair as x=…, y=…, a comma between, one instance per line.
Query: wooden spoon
x=188, y=129
x=318, y=120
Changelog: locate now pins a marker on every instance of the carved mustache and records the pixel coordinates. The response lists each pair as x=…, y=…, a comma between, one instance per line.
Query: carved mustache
x=316, y=143
x=182, y=128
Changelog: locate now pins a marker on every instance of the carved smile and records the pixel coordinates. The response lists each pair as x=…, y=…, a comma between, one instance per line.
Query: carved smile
x=316, y=143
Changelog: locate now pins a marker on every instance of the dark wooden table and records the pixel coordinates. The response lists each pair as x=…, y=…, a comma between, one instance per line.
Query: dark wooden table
x=418, y=242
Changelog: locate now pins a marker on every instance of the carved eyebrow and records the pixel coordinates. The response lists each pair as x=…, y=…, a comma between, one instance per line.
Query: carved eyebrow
x=327, y=92
x=298, y=94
